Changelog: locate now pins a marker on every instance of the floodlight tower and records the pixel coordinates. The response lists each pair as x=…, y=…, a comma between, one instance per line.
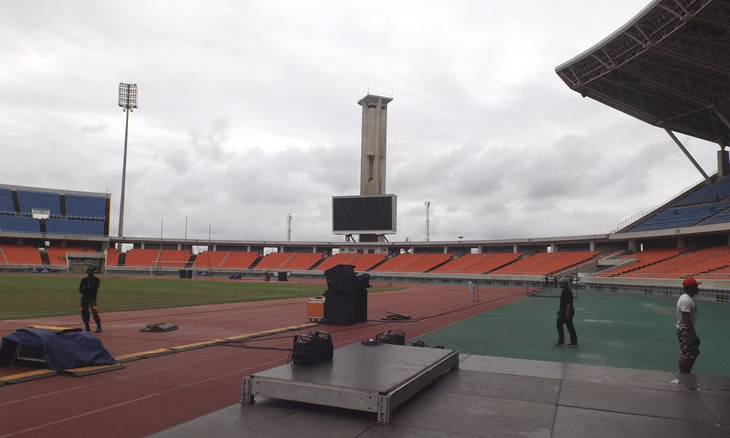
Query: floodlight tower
x=128, y=101
x=428, y=206
x=373, y=148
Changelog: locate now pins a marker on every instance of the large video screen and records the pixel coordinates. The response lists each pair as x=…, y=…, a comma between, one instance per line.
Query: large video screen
x=374, y=214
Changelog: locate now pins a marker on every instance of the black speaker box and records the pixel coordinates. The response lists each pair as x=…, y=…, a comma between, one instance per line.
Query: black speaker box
x=363, y=280
x=340, y=307
x=341, y=277
x=361, y=305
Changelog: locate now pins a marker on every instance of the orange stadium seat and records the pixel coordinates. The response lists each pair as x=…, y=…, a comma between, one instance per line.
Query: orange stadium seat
x=689, y=263
x=302, y=261
x=275, y=260
x=361, y=262
x=210, y=259
x=141, y=257
x=545, y=263
x=173, y=258
x=426, y=262
x=643, y=258
x=365, y=262
x=394, y=264
x=112, y=257
x=239, y=259
x=337, y=259
x=57, y=255
x=478, y=263
x=21, y=255
x=413, y=262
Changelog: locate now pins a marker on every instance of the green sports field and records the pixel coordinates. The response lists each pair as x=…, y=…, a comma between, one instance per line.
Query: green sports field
x=26, y=296
x=614, y=329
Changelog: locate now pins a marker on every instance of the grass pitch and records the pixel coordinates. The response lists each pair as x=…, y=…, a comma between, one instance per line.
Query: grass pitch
x=30, y=296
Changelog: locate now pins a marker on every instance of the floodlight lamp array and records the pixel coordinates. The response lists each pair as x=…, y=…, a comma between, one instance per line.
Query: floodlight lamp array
x=127, y=95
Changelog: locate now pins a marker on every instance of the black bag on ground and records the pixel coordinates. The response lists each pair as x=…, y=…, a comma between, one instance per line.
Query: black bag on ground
x=304, y=350
x=395, y=337
x=325, y=350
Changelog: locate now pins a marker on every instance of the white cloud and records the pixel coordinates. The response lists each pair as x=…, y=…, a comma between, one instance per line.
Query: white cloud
x=248, y=112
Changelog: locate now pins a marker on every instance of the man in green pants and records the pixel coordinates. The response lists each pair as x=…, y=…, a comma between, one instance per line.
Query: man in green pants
x=689, y=342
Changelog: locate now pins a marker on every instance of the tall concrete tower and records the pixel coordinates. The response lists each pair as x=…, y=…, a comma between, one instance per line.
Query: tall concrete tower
x=372, y=159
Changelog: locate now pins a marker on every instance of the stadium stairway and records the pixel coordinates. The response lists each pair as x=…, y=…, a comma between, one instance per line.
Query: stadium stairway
x=379, y=263
x=440, y=264
x=319, y=262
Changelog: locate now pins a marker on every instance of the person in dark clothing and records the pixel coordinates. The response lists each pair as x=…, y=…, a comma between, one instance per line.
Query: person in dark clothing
x=565, y=315
x=88, y=289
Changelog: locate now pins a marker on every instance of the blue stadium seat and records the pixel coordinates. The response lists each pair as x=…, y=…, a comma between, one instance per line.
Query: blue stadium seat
x=85, y=206
x=19, y=224
x=67, y=226
x=683, y=217
x=30, y=200
x=714, y=192
x=719, y=218
x=6, y=201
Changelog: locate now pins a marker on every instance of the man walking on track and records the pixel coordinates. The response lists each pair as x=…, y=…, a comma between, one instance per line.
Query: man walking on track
x=88, y=289
x=565, y=314
x=689, y=342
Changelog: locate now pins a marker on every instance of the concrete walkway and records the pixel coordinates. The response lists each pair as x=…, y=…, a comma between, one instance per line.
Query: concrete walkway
x=503, y=397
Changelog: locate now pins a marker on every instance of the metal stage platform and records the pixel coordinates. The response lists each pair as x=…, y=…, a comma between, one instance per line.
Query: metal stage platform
x=366, y=378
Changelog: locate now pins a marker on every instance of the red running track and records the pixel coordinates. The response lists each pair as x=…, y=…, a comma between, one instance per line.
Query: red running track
x=153, y=394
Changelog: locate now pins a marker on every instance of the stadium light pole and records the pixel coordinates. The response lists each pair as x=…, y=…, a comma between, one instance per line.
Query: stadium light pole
x=428, y=206
x=128, y=101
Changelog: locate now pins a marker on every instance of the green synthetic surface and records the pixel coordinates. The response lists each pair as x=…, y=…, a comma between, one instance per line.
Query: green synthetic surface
x=29, y=296
x=614, y=329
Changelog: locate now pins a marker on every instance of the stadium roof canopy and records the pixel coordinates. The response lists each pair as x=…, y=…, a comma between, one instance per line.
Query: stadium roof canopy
x=669, y=66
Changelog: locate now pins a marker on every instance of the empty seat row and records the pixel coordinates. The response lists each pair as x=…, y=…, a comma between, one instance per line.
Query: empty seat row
x=78, y=227
x=361, y=262
x=19, y=224
x=713, y=192
x=58, y=255
x=85, y=206
x=547, y=263
x=6, y=201
x=39, y=200
x=685, y=264
x=478, y=263
x=26, y=224
x=80, y=206
x=681, y=217
x=642, y=259
x=20, y=255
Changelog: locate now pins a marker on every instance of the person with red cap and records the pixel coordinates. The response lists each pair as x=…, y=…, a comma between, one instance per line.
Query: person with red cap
x=689, y=342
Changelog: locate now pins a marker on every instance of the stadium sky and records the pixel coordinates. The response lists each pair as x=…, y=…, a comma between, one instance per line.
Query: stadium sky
x=248, y=111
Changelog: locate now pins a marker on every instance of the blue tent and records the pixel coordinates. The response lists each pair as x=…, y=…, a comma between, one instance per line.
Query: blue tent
x=61, y=349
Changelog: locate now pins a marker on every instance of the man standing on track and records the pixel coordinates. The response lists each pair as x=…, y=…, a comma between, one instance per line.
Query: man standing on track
x=565, y=314
x=88, y=289
x=689, y=342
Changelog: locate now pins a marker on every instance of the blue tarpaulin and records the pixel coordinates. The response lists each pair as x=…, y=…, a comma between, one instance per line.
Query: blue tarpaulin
x=61, y=350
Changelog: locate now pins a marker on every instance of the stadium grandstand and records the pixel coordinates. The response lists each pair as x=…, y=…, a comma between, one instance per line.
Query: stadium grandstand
x=668, y=67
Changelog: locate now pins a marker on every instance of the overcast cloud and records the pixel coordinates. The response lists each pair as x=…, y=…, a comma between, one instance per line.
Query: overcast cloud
x=248, y=111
